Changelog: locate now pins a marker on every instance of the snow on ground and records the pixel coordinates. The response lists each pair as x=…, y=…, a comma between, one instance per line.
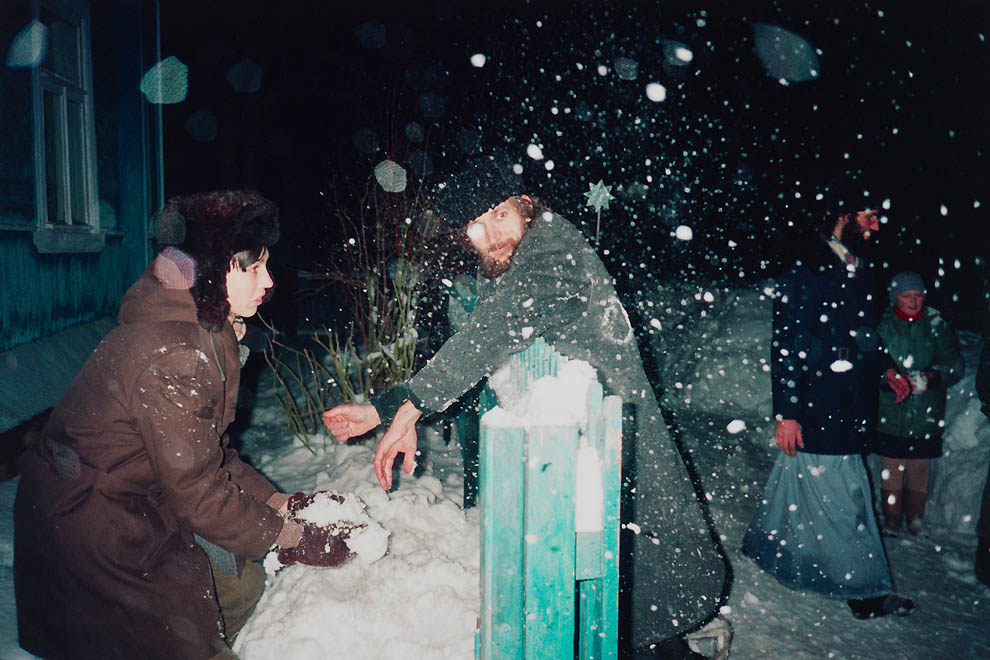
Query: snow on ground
x=421, y=600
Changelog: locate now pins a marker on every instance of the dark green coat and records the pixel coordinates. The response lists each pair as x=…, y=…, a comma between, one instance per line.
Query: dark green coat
x=558, y=289
x=913, y=428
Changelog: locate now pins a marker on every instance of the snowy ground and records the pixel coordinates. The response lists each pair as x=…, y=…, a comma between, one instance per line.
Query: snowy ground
x=421, y=600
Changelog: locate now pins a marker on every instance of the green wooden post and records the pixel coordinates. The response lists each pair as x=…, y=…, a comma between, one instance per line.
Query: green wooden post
x=549, y=542
x=531, y=553
x=502, y=491
x=611, y=485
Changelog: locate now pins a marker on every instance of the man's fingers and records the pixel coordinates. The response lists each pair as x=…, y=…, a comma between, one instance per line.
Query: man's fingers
x=409, y=462
x=384, y=458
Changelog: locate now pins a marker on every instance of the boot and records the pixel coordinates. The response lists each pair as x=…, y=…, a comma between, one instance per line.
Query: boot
x=893, y=506
x=914, y=508
x=982, y=564
x=889, y=605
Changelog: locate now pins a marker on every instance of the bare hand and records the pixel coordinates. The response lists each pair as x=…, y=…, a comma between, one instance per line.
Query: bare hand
x=350, y=420
x=788, y=435
x=898, y=383
x=400, y=438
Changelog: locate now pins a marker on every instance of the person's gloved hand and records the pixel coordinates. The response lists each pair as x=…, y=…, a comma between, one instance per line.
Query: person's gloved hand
x=319, y=545
x=299, y=501
x=898, y=384
x=323, y=546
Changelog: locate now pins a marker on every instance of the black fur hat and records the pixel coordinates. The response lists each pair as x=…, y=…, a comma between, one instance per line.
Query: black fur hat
x=211, y=228
x=844, y=195
x=479, y=183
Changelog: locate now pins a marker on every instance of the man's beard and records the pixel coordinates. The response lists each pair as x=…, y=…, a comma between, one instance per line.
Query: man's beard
x=852, y=237
x=492, y=268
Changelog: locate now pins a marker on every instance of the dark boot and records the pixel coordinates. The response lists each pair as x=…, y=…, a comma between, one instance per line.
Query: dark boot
x=674, y=648
x=893, y=507
x=870, y=608
x=982, y=564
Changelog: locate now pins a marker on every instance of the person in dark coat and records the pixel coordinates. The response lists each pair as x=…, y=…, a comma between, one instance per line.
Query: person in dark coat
x=135, y=522
x=815, y=530
x=924, y=353
x=538, y=277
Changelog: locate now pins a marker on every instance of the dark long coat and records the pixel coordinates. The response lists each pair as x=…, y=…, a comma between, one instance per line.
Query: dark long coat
x=826, y=355
x=558, y=289
x=132, y=463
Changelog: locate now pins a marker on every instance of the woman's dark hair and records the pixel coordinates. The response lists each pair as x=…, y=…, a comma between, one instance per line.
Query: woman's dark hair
x=218, y=229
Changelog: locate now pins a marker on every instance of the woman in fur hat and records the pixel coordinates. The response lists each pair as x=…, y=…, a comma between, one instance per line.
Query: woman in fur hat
x=137, y=526
x=925, y=361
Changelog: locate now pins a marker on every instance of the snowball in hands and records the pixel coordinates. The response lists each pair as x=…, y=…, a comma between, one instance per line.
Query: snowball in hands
x=367, y=539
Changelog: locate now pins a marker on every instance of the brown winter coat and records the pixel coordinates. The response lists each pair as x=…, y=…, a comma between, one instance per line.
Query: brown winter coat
x=133, y=462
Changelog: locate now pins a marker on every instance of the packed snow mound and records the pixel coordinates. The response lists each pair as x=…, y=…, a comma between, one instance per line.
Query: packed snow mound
x=420, y=600
x=341, y=511
x=957, y=478
x=559, y=400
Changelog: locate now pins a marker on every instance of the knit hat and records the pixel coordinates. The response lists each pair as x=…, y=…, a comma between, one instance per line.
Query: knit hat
x=481, y=182
x=842, y=196
x=906, y=281
x=211, y=228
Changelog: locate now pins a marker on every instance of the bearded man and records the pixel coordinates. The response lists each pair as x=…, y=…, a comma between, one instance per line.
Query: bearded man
x=815, y=530
x=540, y=278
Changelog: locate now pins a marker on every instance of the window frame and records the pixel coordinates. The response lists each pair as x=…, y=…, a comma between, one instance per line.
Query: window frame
x=76, y=234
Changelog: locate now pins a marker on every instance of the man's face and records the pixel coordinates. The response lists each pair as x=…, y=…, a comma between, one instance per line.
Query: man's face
x=868, y=221
x=495, y=235
x=858, y=230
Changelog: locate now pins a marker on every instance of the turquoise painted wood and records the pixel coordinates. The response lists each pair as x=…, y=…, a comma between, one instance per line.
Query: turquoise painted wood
x=502, y=482
x=598, y=601
x=533, y=562
x=549, y=542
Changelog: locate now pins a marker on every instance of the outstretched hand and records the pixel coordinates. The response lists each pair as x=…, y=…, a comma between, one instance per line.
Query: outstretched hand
x=400, y=438
x=788, y=436
x=350, y=420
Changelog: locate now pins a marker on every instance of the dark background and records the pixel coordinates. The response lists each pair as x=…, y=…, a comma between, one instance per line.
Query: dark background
x=901, y=105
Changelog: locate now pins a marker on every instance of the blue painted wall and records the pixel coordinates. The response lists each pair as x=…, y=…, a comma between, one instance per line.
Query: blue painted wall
x=41, y=294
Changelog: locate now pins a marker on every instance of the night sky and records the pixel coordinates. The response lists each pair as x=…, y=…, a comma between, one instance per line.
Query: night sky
x=899, y=101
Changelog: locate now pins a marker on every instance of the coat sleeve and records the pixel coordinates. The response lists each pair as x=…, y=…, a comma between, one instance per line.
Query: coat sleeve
x=949, y=361
x=246, y=477
x=175, y=404
x=791, y=323
x=983, y=374
x=541, y=291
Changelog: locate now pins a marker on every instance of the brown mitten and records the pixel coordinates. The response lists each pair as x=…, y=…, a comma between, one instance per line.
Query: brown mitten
x=300, y=501
x=322, y=546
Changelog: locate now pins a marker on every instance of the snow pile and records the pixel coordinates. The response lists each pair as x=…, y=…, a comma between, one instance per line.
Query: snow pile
x=560, y=400
x=958, y=476
x=420, y=600
x=342, y=511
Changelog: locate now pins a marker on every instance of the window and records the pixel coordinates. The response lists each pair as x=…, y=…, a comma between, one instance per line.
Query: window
x=64, y=132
